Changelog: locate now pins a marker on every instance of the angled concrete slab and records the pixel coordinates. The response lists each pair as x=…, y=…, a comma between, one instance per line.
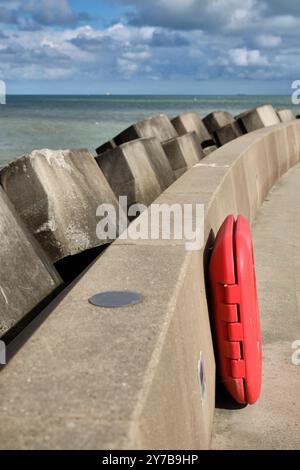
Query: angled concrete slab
x=227, y=133
x=263, y=116
x=158, y=126
x=192, y=122
x=27, y=277
x=216, y=120
x=286, y=115
x=183, y=152
x=109, y=145
x=57, y=193
x=139, y=170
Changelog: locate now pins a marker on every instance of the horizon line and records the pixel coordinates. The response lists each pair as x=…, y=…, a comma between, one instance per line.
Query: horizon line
x=148, y=94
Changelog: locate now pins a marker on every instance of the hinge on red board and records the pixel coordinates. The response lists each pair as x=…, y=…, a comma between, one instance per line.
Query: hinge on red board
x=232, y=294
x=235, y=332
x=228, y=313
x=232, y=349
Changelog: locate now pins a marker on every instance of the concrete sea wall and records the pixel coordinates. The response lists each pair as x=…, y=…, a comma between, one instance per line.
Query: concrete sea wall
x=141, y=376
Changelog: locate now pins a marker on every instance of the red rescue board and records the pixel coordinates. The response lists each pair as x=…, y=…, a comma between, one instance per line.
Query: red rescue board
x=235, y=310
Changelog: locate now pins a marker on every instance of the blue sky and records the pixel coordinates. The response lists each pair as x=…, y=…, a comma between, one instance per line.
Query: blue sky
x=149, y=46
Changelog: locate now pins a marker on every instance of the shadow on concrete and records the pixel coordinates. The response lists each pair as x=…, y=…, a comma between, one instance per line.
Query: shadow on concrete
x=206, y=259
x=224, y=400
x=71, y=267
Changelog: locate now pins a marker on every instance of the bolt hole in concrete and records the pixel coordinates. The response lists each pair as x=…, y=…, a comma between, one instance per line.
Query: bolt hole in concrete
x=116, y=299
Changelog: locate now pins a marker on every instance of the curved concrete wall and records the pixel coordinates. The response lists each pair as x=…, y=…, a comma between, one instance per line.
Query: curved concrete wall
x=130, y=378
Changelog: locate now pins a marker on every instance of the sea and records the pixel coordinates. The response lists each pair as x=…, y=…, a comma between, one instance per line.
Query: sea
x=62, y=122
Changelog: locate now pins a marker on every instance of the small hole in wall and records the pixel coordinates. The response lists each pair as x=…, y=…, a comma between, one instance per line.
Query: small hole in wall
x=202, y=376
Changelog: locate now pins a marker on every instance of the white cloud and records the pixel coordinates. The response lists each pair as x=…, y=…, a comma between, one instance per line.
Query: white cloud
x=283, y=22
x=236, y=39
x=127, y=67
x=137, y=56
x=233, y=14
x=242, y=57
x=268, y=40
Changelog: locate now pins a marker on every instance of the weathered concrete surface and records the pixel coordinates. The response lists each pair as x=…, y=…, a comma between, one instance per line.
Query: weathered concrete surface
x=227, y=133
x=109, y=145
x=191, y=122
x=183, y=152
x=139, y=170
x=158, y=126
x=263, y=116
x=56, y=193
x=286, y=115
x=216, y=120
x=26, y=275
x=273, y=422
x=130, y=379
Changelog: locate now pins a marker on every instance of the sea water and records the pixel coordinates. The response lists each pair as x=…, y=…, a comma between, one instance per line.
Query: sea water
x=58, y=122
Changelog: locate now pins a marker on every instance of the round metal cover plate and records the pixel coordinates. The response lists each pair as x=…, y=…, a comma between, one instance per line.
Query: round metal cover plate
x=116, y=299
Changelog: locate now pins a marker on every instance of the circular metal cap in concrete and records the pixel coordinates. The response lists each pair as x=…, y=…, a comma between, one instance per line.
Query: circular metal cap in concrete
x=116, y=299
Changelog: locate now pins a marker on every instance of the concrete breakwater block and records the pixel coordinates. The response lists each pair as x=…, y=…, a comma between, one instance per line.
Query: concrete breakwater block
x=217, y=120
x=57, y=193
x=26, y=275
x=286, y=115
x=183, y=152
x=110, y=144
x=158, y=126
x=139, y=170
x=263, y=116
x=227, y=133
x=191, y=122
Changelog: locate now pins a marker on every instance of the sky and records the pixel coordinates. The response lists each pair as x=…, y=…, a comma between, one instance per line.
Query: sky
x=149, y=46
